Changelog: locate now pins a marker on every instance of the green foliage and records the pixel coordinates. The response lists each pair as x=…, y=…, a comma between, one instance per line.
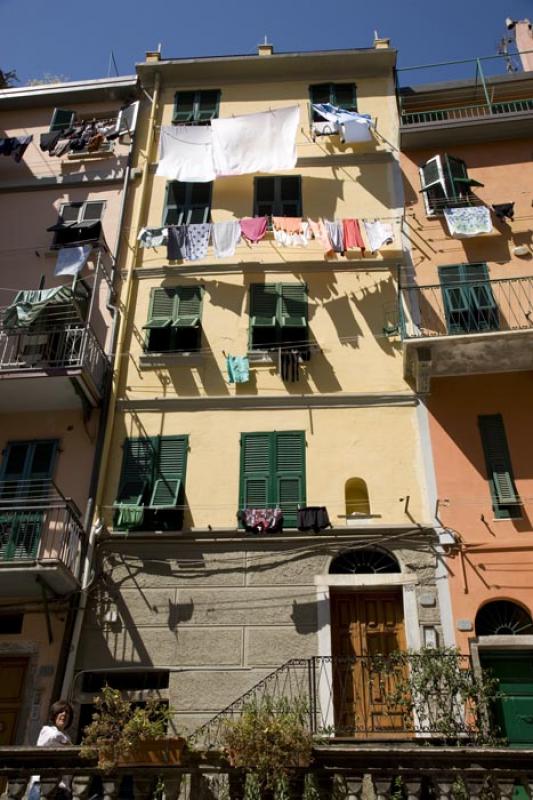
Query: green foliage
x=438, y=688
x=310, y=788
x=8, y=78
x=269, y=739
x=117, y=727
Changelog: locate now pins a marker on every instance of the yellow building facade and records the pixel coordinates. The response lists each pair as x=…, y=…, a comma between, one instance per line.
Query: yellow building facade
x=190, y=597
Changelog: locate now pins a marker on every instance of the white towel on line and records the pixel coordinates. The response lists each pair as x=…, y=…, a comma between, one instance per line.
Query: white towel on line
x=225, y=236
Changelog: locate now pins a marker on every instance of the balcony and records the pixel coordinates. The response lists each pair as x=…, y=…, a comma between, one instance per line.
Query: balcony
x=41, y=539
x=466, y=328
x=461, y=110
x=44, y=334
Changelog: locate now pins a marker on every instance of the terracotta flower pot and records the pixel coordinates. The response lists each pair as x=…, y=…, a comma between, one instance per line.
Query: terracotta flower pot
x=156, y=751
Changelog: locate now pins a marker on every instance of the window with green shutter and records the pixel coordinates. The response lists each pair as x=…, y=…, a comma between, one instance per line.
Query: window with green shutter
x=187, y=203
x=174, y=320
x=343, y=95
x=506, y=502
x=273, y=472
x=445, y=181
x=278, y=315
x=196, y=107
x=25, y=483
x=278, y=196
x=469, y=303
x=62, y=119
x=152, y=482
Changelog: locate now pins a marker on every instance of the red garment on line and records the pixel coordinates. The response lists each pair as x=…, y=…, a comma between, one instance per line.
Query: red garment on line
x=254, y=228
x=352, y=235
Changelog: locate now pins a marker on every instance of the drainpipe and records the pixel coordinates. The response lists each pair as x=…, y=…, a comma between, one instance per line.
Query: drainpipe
x=103, y=445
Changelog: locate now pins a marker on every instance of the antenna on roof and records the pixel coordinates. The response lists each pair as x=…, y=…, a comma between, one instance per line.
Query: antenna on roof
x=266, y=39
x=113, y=63
x=376, y=35
x=159, y=47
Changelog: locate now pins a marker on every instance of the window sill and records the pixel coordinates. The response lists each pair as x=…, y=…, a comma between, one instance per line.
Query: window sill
x=261, y=356
x=152, y=360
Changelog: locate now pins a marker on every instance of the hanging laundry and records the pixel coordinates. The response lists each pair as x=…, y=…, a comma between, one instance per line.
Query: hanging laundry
x=263, y=142
x=290, y=365
x=468, y=221
x=197, y=241
x=320, y=233
x=177, y=236
x=352, y=235
x=261, y=520
x=49, y=140
x=504, y=210
x=225, y=236
x=15, y=146
x=313, y=518
x=186, y=153
x=290, y=231
x=153, y=237
x=71, y=260
x=335, y=235
x=353, y=127
x=238, y=369
x=378, y=233
x=253, y=228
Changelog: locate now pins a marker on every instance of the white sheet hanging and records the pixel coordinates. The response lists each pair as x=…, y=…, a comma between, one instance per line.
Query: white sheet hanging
x=263, y=142
x=186, y=153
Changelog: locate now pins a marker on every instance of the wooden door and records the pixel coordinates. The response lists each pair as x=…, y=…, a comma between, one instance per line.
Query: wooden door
x=364, y=626
x=12, y=675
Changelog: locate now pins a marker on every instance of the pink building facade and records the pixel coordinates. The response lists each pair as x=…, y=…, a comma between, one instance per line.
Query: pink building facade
x=64, y=174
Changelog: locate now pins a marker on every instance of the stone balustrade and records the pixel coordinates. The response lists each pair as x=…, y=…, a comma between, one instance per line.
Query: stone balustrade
x=346, y=771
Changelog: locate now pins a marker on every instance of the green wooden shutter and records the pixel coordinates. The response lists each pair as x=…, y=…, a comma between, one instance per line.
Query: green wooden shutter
x=62, y=119
x=183, y=107
x=188, y=306
x=256, y=459
x=469, y=303
x=290, y=474
x=137, y=471
x=170, y=472
x=457, y=174
x=162, y=308
x=293, y=312
x=498, y=464
x=263, y=304
x=207, y=105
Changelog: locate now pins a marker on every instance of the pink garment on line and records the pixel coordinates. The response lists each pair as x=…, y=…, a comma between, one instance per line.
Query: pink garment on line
x=288, y=224
x=352, y=235
x=320, y=233
x=254, y=228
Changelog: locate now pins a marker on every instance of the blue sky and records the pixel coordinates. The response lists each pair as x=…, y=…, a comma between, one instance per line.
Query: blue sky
x=74, y=39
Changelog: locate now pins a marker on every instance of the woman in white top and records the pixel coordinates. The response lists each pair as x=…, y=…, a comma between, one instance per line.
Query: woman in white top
x=53, y=735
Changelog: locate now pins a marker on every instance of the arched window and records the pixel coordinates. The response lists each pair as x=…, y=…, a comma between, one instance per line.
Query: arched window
x=356, y=497
x=363, y=562
x=503, y=618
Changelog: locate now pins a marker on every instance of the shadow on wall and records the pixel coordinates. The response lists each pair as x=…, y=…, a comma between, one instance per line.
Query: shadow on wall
x=378, y=304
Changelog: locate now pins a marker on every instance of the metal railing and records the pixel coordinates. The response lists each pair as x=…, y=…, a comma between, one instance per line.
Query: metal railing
x=38, y=523
x=62, y=344
x=465, y=307
x=366, y=697
x=466, y=112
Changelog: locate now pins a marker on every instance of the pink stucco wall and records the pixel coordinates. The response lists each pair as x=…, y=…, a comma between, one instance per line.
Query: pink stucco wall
x=497, y=555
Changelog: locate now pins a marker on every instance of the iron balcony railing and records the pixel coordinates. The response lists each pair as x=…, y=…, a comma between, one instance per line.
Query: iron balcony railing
x=464, y=307
x=62, y=344
x=38, y=523
x=366, y=697
x=466, y=112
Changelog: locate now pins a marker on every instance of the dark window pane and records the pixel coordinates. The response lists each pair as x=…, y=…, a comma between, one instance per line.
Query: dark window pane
x=171, y=217
x=185, y=101
x=176, y=193
x=264, y=209
x=290, y=188
x=345, y=95
x=16, y=459
x=265, y=189
x=93, y=212
x=70, y=212
x=200, y=193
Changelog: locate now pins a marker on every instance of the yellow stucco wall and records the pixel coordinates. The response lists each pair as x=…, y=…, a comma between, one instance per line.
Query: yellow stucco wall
x=350, y=301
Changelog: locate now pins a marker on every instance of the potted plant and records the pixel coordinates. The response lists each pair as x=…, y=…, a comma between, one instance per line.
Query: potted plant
x=121, y=733
x=270, y=740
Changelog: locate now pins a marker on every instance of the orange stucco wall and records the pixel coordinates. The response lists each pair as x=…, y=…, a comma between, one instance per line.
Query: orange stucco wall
x=497, y=555
x=505, y=170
